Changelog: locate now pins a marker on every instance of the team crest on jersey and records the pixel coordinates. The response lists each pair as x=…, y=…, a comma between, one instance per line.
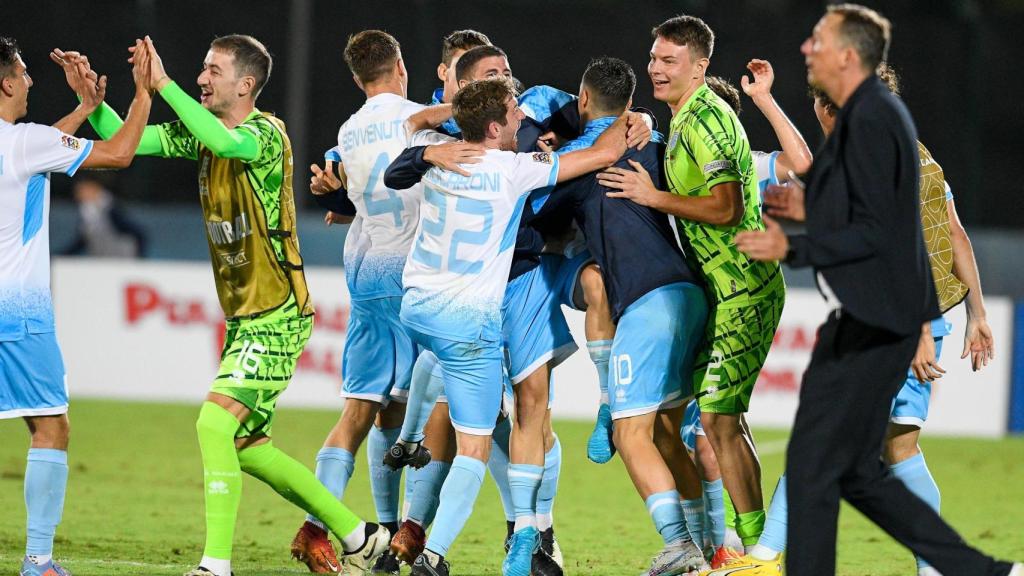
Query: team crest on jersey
x=70, y=142
x=542, y=157
x=716, y=166
x=673, y=140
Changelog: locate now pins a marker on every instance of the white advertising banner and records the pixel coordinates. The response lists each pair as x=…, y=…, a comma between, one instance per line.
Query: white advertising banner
x=153, y=331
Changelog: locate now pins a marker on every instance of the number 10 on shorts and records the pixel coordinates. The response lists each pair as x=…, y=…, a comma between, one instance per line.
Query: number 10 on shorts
x=622, y=373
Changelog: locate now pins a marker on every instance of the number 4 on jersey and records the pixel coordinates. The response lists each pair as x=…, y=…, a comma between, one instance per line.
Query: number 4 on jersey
x=392, y=203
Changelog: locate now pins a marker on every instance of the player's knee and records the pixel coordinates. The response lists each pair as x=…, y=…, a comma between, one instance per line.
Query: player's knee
x=593, y=288
x=706, y=458
x=479, y=448
x=531, y=402
x=627, y=432
x=901, y=447
x=721, y=427
x=392, y=416
x=50, y=432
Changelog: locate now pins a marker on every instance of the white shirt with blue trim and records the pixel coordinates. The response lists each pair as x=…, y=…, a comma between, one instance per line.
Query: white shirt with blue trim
x=379, y=238
x=28, y=154
x=456, y=274
x=764, y=169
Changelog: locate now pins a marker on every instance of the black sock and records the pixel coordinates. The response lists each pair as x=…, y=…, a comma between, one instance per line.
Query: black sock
x=391, y=526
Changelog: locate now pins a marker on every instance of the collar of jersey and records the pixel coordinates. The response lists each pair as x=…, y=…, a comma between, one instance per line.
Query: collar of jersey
x=699, y=93
x=591, y=131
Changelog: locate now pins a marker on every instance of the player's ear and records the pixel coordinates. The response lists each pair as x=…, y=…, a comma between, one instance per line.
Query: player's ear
x=702, y=67
x=584, y=97
x=248, y=86
x=400, y=67
x=358, y=82
x=442, y=72
x=493, y=130
x=7, y=86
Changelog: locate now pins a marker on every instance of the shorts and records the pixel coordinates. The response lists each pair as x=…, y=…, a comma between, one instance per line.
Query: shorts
x=379, y=354
x=32, y=377
x=910, y=406
x=533, y=325
x=738, y=340
x=691, y=427
x=653, y=350
x=258, y=361
x=473, y=375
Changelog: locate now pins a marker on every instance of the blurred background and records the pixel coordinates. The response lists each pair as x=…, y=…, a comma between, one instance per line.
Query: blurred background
x=959, y=63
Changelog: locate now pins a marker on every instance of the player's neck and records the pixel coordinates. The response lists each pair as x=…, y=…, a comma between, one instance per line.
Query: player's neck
x=237, y=114
x=676, y=106
x=378, y=88
x=8, y=114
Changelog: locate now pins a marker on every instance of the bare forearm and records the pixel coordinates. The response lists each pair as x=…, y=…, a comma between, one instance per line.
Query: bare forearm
x=797, y=155
x=428, y=118
x=126, y=140
x=73, y=121
x=707, y=209
x=965, y=268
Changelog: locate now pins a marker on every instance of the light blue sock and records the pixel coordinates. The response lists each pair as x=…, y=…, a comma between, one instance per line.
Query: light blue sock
x=427, y=482
x=334, y=467
x=424, y=388
x=524, y=482
x=498, y=465
x=457, y=498
x=600, y=352
x=918, y=479
x=774, y=536
x=667, y=512
x=385, y=483
x=549, y=486
x=693, y=511
x=46, y=479
x=714, y=512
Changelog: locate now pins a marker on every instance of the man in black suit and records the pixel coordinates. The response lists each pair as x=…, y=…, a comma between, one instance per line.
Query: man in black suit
x=865, y=243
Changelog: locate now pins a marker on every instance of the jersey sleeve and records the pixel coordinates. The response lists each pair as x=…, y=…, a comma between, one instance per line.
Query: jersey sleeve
x=333, y=154
x=269, y=140
x=949, y=191
x=47, y=149
x=428, y=137
x=176, y=141
x=711, y=145
x=764, y=166
x=532, y=170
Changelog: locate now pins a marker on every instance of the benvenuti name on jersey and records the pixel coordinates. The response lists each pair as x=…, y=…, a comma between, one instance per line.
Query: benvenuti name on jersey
x=480, y=182
x=222, y=233
x=387, y=130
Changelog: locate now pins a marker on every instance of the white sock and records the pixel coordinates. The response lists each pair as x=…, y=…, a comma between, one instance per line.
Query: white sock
x=39, y=559
x=545, y=521
x=525, y=522
x=216, y=565
x=409, y=447
x=1017, y=570
x=355, y=539
x=928, y=571
x=732, y=539
x=763, y=553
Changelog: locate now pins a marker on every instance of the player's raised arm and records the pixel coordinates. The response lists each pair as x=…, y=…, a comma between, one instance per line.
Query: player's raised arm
x=428, y=118
x=607, y=149
x=796, y=155
x=120, y=149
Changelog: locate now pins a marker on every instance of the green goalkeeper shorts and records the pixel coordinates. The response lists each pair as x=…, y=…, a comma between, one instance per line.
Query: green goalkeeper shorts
x=258, y=360
x=737, y=341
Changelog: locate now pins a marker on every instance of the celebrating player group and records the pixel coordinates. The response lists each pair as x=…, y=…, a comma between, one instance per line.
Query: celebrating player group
x=473, y=220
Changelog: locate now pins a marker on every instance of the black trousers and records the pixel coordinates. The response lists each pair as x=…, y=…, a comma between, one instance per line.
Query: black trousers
x=836, y=452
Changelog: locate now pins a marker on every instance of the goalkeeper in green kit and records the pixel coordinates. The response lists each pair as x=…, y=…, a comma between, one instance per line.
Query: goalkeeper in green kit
x=245, y=173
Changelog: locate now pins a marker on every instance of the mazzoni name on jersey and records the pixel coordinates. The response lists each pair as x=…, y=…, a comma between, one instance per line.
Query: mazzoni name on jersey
x=479, y=182
x=222, y=233
x=385, y=130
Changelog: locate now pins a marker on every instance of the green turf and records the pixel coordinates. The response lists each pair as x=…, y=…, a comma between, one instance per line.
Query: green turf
x=135, y=500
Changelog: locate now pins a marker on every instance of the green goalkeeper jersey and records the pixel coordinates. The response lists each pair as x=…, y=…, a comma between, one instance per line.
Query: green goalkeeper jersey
x=707, y=146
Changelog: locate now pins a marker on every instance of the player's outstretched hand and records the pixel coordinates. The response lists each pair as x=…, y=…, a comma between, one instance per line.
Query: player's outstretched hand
x=638, y=134
x=978, y=343
x=157, y=76
x=763, y=75
x=335, y=218
x=141, y=60
x=92, y=89
x=785, y=201
x=769, y=245
x=449, y=155
x=635, y=184
x=925, y=365
x=324, y=181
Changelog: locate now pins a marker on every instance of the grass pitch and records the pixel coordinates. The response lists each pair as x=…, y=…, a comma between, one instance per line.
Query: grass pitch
x=135, y=501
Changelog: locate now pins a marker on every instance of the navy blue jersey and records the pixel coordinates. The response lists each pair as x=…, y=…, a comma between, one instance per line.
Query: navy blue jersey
x=634, y=246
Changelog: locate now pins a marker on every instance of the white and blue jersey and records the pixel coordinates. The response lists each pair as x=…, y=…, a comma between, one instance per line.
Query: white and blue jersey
x=379, y=238
x=764, y=170
x=457, y=273
x=31, y=368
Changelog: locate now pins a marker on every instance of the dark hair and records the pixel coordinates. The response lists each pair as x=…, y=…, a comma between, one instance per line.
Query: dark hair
x=688, y=31
x=480, y=103
x=886, y=74
x=726, y=91
x=251, y=57
x=474, y=55
x=461, y=40
x=866, y=31
x=370, y=54
x=9, y=52
x=611, y=83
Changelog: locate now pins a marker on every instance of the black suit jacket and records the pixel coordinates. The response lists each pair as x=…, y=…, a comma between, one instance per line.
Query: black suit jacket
x=863, y=223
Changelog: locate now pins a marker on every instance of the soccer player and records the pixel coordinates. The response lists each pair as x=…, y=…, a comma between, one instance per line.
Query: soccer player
x=379, y=355
x=32, y=378
x=660, y=316
x=713, y=193
x=955, y=276
x=455, y=281
x=245, y=169
x=453, y=46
